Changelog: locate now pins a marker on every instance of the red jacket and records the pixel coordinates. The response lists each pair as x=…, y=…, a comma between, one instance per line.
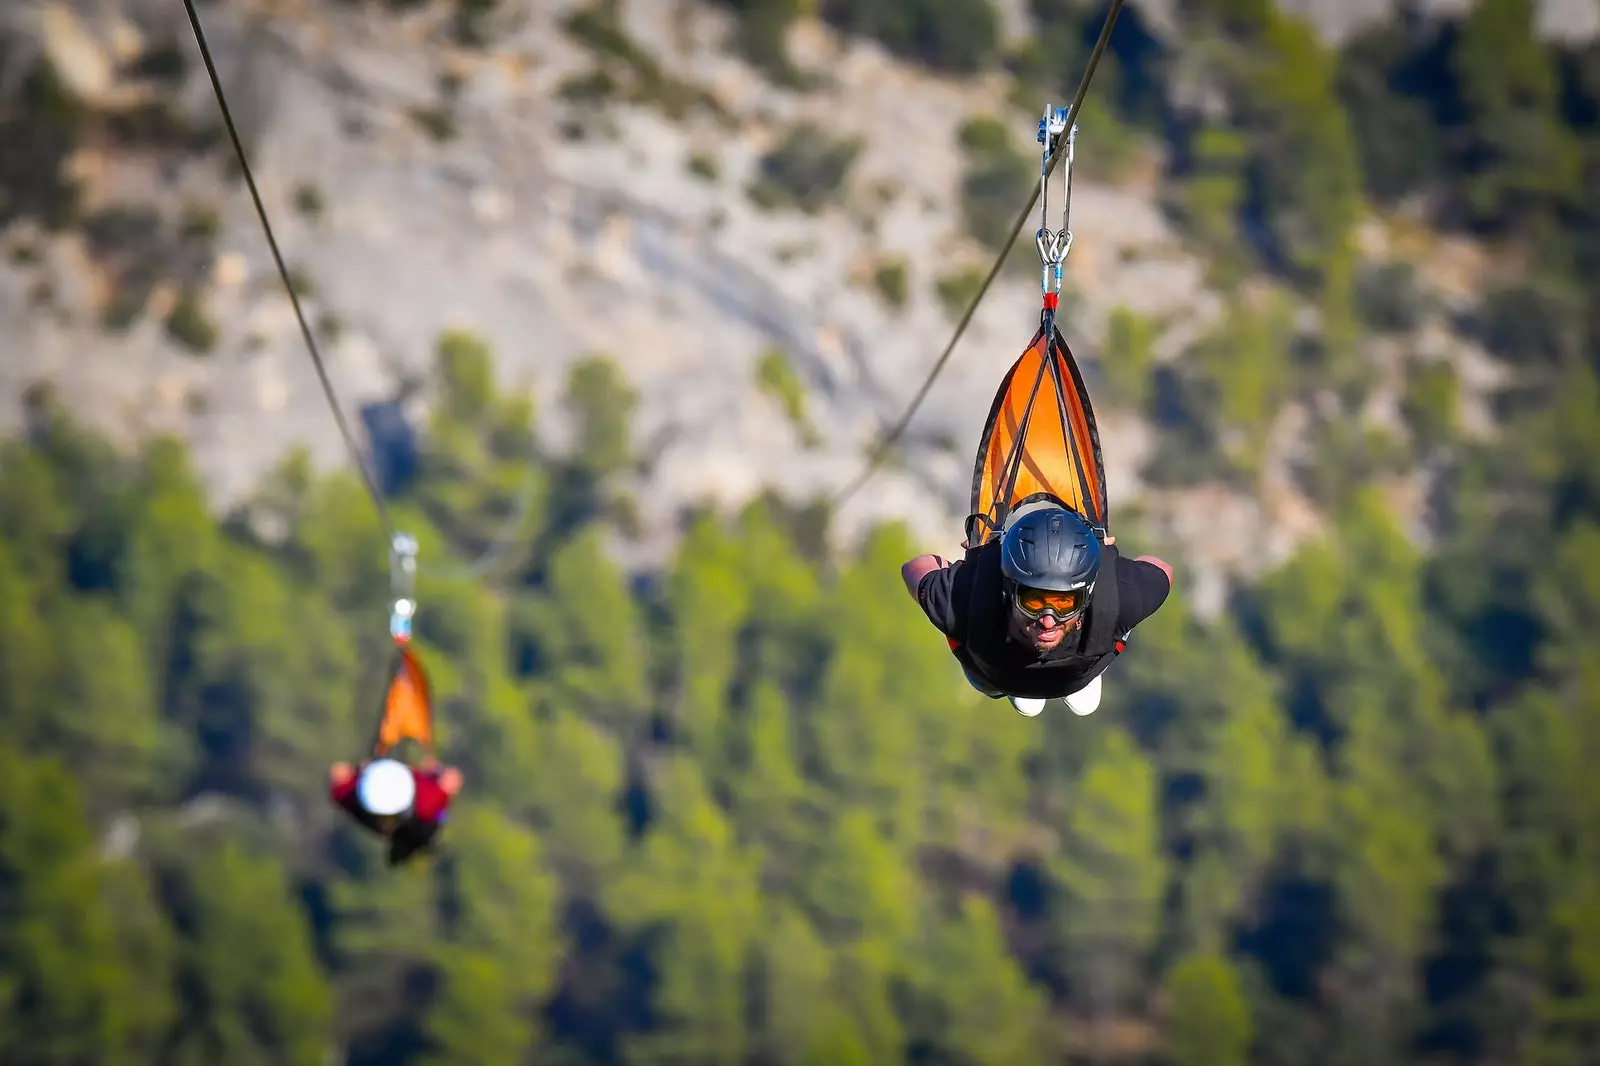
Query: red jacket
x=429, y=806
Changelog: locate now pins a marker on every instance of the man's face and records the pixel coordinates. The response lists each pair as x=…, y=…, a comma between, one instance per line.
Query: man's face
x=1043, y=633
x=1036, y=616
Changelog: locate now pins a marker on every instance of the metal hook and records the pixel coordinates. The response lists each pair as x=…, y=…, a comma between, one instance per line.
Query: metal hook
x=1066, y=180
x=402, y=581
x=1054, y=246
x=1053, y=249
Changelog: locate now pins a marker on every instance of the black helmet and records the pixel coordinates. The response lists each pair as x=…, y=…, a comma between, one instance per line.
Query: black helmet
x=1053, y=549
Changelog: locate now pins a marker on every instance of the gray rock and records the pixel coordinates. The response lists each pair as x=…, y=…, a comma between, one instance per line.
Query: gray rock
x=552, y=248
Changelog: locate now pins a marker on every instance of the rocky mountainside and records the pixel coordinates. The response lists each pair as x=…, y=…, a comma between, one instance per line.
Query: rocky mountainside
x=561, y=192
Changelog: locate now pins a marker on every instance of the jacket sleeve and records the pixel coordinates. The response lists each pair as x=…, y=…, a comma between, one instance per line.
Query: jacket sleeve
x=1141, y=590
x=432, y=800
x=344, y=794
x=936, y=596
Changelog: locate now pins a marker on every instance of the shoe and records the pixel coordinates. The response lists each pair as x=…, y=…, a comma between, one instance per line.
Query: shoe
x=1025, y=706
x=1086, y=699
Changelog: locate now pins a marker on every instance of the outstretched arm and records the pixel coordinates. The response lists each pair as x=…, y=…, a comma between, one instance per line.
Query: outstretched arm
x=341, y=781
x=914, y=570
x=1162, y=563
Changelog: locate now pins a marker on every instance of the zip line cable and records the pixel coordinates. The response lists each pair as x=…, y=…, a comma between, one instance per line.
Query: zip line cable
x=881, y=450
x=500, y=544
x=283, y=271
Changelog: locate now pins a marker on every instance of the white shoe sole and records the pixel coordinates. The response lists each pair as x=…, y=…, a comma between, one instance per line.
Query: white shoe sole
x=1086, y=700
x=1026, y=707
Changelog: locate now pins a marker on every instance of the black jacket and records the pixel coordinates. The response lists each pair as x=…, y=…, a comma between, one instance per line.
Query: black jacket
x=984, y=646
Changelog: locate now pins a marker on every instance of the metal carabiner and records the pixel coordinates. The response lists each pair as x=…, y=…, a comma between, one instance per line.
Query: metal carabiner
x=1066, y=181
x=402, y=584
x=1053, y=249
x=1053, y=246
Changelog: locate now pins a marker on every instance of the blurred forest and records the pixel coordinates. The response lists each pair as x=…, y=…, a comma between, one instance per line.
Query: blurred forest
x=745, y=811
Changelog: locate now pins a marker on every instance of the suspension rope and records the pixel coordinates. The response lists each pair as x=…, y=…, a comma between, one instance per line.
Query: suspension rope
x=881, y=450
x=283, y=271
x=401, y=545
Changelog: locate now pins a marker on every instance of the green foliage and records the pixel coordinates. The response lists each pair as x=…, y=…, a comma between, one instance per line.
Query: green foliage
x=952, y=35
x=1237, y=19
x=703, y=166
x=478, y=480
x=599, y=395
x=1387, y=298
x=1213, y=195
x=1283, y=177
x=1532, y=324
x=957, y=289
x=43, y=128
x=1346, y=455
x=497, y=957
x=71, y=975
x=308, y=201
x=593, y=87
x=246, y=947
x=761, y=33
x=1127, y=358
x=1519, y=154
x=1431, y=405
x=465, y=368
x=890, y=280
x=1237, y=379
x=1111, y=869
x=997, y=180
x=745, y=809
x=437, y=121
x=776, y=377
x=472, y=21
x=571, y=627
x=188, y=324
x=970, y=996
x=108, y=722
x=807, y=169
x=1306, y=171
x=1209, y=1022
x=628, y=64
x=1482, y=125
x=1401, y=145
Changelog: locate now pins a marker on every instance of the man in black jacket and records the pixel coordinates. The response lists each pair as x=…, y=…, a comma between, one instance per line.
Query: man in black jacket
x=1039, y=612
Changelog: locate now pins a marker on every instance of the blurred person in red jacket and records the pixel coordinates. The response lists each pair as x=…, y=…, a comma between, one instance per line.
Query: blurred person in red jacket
x=404, y=803
x=392, y=798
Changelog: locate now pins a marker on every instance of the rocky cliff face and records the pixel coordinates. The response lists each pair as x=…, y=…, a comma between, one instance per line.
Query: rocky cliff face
x=417, y=185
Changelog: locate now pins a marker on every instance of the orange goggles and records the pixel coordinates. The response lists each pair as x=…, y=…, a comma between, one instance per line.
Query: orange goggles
x=1035, y=602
